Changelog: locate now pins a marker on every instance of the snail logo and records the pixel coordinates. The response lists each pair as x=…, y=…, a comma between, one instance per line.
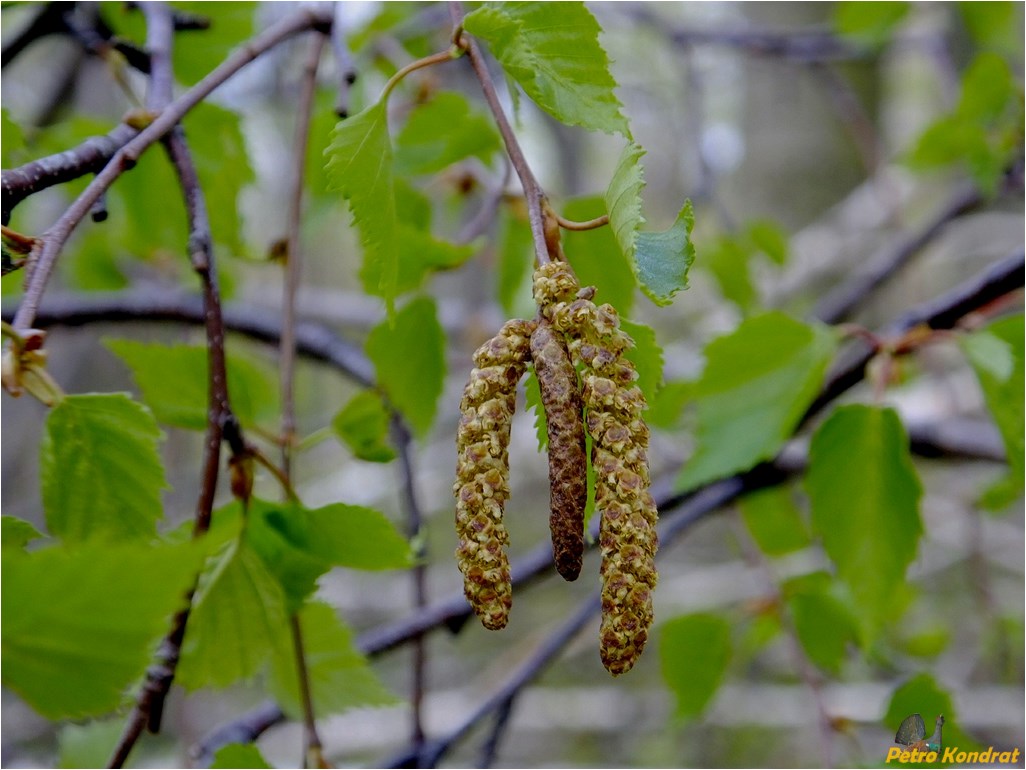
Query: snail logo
x=912, y=734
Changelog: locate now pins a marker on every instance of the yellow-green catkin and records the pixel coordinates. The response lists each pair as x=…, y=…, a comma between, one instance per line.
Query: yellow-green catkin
x=482, y=471
x=614, y=406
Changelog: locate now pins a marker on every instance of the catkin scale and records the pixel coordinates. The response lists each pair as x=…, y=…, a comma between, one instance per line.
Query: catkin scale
x=568, y=489
x=482, y=471
x=627, y=534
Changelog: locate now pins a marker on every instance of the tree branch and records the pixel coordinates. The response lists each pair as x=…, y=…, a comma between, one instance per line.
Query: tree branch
x=124, y=158
x=532, y=190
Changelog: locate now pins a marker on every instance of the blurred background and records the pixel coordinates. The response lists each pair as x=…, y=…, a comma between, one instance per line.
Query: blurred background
x=804, y=117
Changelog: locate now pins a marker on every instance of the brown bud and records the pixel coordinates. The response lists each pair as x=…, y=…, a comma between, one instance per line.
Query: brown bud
x=564, y=419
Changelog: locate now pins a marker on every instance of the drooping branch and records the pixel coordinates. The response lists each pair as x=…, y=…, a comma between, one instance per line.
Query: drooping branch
x=679, y=511
x=54, y=238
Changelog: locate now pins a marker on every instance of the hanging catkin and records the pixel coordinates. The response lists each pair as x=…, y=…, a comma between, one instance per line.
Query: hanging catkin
x=482, y=471
x=564, y=419
x=614, y=405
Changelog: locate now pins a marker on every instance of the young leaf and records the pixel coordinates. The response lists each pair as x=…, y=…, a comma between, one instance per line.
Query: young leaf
x=359, y=165
x=100, y=469
x=864, y=493
x=660, y=260
x=532, y=400
x=357, y=537
x=922, y=695
x=596, y=257
x=996, y=354
x=88, y=745
x=363, y=426
x=79, y=625
x=552, y=51
x=173, y=380
x=869, y=23
x=665, y=409
x=441, y=132
x=825, y=627
x=409, y=359
x=646, y=355
x=237, y=615
x=694, y=651
x=774, y=521
x=12, y=140
x=756, y=385
x=16, y=533
x=340, y=677
x=235, y=755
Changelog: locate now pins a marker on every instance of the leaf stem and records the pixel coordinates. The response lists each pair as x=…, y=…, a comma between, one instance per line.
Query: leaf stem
x=454, y=52
x=591, y=224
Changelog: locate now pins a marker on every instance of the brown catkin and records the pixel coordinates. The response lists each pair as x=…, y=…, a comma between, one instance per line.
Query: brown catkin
x=614, y=405
x=482, y=471
x=568, y=469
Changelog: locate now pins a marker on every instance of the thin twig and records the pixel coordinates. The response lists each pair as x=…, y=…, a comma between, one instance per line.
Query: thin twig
x=813, y=681
x=436, y=58
x=532, y=190
x=343, y=62
x=414, y=527
x=490, y=750
x=125, y=158
x=313, y=755
x=221, y=423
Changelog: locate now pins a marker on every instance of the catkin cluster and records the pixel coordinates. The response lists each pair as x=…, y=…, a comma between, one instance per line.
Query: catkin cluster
x=614, y=405
x=586, y=383
x=482, y=470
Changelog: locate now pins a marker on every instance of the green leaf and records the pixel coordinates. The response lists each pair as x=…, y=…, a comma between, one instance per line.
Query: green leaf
x=533, y=402
x=235, y=755
x=988, y=87
x=769, y=238
x=219, y=149
x=357, y=537
x=992, y=25
x=864, y=494
x=552, y=51
x=660, y=260
x=664, y=258
x=694, y=651
x=340, y=677
x=728, y=259
x=516, y=255
x=596, y=256
x=996, y=355
x=646, y=355
x=238, y=613
x=922, y=695
x=409, y=358
x=90, y=744
x=442, y=132
x=79, y=624
x=757, y=383
x=12, y=140
x=665, y=409
x=359, y=165
x=420, y=254
x=774, y=521
x=870, y=23
x=824, y=626
x=100, y=469
x=363, y=426
x=16, y=533
x=173, y=380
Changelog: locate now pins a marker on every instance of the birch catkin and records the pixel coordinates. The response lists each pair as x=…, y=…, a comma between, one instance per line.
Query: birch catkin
x=615, y=405
x=564, y=416
x=482, y=471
